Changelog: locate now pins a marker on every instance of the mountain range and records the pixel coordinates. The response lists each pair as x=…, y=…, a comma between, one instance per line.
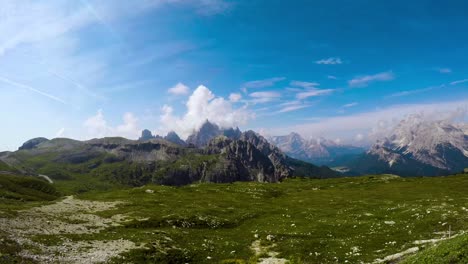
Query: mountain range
x=318, y=151
x=417, y=147
x=210, y=155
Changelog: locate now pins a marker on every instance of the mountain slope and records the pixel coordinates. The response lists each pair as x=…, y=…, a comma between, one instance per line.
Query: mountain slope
x=418, y=147
x=108, y=161
x=317, y=151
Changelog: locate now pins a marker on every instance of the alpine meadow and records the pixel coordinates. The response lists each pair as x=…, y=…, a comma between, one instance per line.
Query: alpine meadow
x=234, y=132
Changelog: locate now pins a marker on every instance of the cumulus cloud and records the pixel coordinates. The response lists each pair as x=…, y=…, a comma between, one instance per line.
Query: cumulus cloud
x=330, y=61
x=97, y=127
x=179, y=89
x=235, y=97
x=203, y=105
x=363, y=81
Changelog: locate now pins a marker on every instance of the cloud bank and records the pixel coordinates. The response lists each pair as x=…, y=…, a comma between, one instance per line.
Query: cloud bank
x=97, y=127
x=203, y=105
x=375, y=124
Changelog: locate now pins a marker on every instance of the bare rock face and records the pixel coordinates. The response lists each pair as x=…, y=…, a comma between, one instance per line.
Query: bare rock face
x=174, y=138
x=252, y=153
x=418, y=146
x=208, y=131
x=147, y=135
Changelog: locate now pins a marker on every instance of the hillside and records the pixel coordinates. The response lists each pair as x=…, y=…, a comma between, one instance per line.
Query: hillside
x=370, y=219
x=111, y=162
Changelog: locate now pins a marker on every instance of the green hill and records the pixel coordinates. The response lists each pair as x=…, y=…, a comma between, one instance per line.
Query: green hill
x=450, y=251
x=25, y=188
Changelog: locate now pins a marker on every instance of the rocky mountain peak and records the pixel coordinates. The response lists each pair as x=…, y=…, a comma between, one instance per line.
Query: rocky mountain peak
x=146, y=135
x=315, y=150
x=206, y=132
x=435, y=143
x=174, y=138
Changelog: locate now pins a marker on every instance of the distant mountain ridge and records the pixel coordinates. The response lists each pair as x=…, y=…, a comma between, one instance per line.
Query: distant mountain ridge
x=231, y=156
x=418, y=147
x=317, y=151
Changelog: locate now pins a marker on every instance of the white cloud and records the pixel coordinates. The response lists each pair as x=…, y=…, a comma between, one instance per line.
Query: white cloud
x=262, y=83
x=444, y=70
x=330, y=61
x=179, y=89
x=351, y=104
x=129, y=128
x=25, y=22
x=203, y=105
x=359, y=137
x=459, y=82
x=373, y=123
x=331, y=77
x=264, y=97
x=97, y=127
x=304, y=84
x=411, y=92
x=293, y=106
x=362, y=81
x=265, y=94
x=313, y=93
x=235, y=97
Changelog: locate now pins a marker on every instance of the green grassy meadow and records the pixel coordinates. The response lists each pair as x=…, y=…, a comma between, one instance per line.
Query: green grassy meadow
x=345, y=220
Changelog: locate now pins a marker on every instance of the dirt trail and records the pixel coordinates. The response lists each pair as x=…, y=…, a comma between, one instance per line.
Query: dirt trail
x=272, y=255
x=69, y=216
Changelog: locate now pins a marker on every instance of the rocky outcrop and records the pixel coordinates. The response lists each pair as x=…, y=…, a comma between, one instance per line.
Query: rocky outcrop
x=174, y=138
x=208, y=131
x=247, y=161
x=147, y=135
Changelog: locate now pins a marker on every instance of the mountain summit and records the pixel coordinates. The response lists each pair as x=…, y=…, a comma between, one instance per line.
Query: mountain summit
x=418, y=146
x=209, y=131
x=318, y=151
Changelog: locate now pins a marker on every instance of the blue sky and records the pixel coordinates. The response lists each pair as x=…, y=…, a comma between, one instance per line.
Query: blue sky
x=339, y=69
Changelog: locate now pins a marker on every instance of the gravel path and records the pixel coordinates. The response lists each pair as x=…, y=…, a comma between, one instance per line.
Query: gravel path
x=69, y=216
